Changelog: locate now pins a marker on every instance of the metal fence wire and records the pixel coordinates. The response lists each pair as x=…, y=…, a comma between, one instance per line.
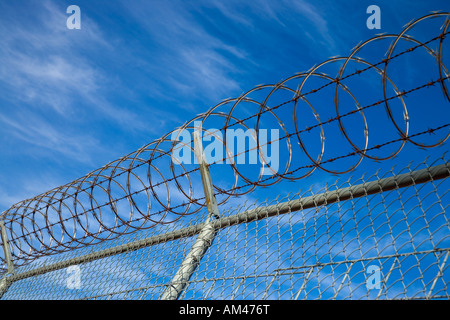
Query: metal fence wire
x=385, y=236
x=148, y=227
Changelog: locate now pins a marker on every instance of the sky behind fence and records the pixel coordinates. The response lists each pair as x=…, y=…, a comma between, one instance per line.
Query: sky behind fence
x=378, y=103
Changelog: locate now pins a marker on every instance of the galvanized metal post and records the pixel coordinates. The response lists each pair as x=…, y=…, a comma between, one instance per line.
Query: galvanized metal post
x=4, y=282
x=6, y=249
x=206, y=236
x=4, y=285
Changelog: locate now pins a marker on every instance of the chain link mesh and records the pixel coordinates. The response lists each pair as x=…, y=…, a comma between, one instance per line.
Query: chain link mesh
x=393, y=244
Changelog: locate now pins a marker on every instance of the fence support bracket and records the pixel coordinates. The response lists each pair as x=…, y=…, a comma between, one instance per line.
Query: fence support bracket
x=206, y=236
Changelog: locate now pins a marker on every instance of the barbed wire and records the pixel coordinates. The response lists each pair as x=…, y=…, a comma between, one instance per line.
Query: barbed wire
x=39, y=226
x=162, y=153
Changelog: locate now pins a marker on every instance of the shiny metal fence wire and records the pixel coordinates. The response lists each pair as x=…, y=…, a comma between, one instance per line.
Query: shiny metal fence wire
x=384, y=235
x=147, y=188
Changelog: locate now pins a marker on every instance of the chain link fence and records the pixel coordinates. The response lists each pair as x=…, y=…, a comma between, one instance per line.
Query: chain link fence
x=142, y=226
x=381, y=237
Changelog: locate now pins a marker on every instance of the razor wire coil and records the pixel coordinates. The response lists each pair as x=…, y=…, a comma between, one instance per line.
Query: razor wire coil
x=62, y=218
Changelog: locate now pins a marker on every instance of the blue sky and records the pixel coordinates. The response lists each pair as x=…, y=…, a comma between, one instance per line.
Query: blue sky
x=73, y=100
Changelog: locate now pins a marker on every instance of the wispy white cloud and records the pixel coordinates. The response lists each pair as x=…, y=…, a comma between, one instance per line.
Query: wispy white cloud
x=310, y=19
x=44, y=135
x=48, y=67
x=50, y=82
x=195, y=62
